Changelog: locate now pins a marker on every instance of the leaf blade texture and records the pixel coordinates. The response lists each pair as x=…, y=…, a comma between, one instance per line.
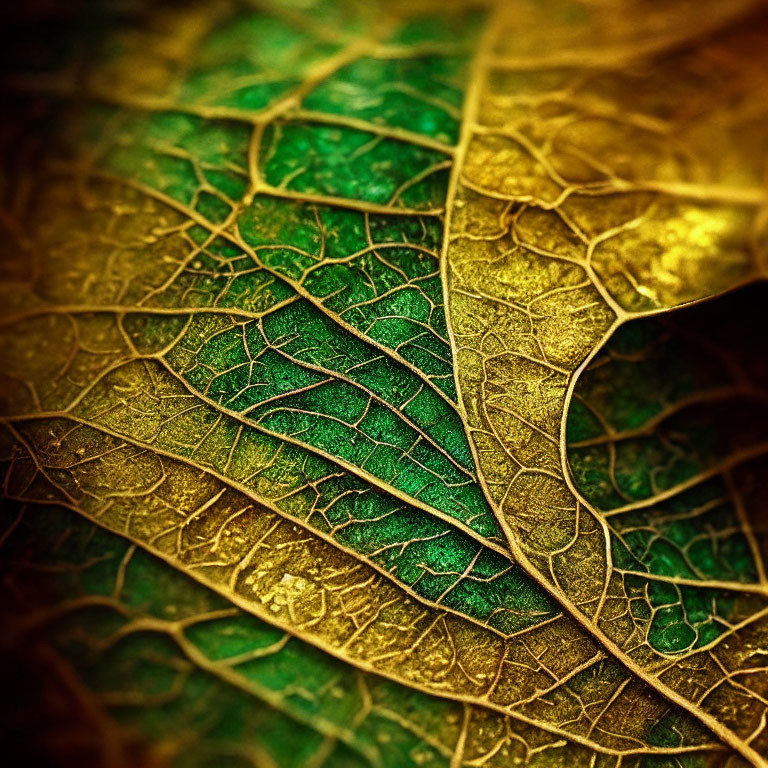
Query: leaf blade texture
x=298, y=303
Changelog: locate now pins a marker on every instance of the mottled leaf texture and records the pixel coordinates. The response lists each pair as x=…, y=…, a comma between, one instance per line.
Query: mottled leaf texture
x=637, y=153
x=344, y=422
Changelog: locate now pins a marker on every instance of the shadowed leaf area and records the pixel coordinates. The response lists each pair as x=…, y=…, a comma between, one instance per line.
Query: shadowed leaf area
x=667, y=439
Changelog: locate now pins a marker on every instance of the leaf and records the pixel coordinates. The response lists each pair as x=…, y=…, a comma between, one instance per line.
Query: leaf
x=207, y=682
x=231, y=415
x=675, y=471
x=617, y=208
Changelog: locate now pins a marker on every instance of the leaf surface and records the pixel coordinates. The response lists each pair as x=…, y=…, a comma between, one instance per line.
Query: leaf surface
x=229, y=384
x=589, y=195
